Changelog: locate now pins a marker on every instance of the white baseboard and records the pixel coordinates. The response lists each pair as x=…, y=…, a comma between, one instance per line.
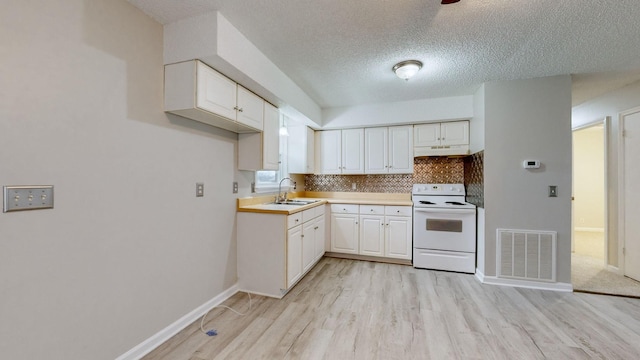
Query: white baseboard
x=492, y=280
x=479, y=275
x=165, y=334
x=614, y=269
x=589, y=229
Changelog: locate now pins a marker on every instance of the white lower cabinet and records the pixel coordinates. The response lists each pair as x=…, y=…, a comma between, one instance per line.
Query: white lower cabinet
x=344, y=228
x=372, y=230
x=275, y=251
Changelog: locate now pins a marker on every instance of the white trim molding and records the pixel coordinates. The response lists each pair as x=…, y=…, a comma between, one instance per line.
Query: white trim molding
x=539, y=285
x=165, y=334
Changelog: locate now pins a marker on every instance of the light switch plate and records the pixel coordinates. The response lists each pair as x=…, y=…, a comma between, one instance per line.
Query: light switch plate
x=553, y=191
x=17, y=198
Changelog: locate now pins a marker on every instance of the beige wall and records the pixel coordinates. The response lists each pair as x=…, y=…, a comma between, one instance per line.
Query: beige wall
x=528, y=120
x=128, y=248
x=588, y=178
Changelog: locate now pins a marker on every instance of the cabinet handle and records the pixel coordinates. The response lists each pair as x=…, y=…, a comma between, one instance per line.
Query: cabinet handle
x=236, y=108
x=297, y=220
x=315, y=228
x=398, y=211
x=241, y=110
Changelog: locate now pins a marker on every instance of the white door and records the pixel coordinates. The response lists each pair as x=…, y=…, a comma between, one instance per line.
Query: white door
x=344, y=233
x=215, y=92
x=455, y=133
x=328, y=151
x=372, y=235
x=426, y=135
x=319, y=236
x=294, y=255
x=401, y=150
x=376, y=152
x=630, y=196
x=250, y=109
x=353, y=151
x=271, y=138
x=398, y=237
x=308, y=244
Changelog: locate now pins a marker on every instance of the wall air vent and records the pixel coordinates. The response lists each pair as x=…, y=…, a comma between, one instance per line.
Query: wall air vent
x=526, y=254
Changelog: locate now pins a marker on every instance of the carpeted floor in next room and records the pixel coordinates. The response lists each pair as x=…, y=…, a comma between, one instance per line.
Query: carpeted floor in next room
x=588, y=273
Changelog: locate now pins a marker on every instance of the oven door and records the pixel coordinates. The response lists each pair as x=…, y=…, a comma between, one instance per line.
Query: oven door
x=444, y=229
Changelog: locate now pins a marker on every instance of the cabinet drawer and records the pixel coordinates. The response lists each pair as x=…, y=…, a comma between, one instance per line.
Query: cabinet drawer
x=372, y=209
x=319, y=210
x=397, y=210
x=344, y=209
x=308, y=214
x=294, y=219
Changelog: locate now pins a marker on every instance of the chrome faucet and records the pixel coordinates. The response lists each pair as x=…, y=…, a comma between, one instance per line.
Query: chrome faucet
x=278, y=198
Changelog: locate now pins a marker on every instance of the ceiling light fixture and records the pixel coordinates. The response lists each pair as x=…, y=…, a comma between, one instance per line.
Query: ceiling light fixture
x=407, y=69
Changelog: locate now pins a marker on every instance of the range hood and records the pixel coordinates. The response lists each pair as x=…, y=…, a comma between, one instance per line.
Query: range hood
x=444, y=150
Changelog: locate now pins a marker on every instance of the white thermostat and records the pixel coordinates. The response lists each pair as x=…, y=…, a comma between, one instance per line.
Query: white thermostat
x=531, y=164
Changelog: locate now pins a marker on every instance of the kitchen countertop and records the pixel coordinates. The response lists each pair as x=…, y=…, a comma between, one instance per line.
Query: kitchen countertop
x=262, y=204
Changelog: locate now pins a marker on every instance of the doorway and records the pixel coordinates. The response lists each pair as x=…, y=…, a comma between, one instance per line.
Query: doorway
x=628, y=202
x=589, y=240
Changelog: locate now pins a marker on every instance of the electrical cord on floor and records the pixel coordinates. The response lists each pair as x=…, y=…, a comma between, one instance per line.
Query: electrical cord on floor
x=214, y=332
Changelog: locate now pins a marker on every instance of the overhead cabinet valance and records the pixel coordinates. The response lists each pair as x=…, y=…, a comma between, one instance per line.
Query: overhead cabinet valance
x=194, y=90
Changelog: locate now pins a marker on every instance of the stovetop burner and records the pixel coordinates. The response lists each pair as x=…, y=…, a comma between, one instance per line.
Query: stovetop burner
x=454, y=203
x=427, y=202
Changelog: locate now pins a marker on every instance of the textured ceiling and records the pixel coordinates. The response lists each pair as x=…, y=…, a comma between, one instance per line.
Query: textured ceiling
x=340, y=52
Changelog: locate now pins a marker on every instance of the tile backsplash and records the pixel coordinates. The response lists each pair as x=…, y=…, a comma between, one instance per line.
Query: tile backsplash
x=427, y=170
x=474, y=178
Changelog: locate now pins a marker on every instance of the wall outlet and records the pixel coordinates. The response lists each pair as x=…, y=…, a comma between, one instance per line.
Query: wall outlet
x=235, y=187
x=18, y=198
x=353, y=186
x=199, y=189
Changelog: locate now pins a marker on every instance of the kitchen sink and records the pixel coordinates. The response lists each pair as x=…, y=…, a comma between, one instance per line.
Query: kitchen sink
x=294, y=202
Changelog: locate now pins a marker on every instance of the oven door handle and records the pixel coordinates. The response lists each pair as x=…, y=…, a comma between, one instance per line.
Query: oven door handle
x=444, y=211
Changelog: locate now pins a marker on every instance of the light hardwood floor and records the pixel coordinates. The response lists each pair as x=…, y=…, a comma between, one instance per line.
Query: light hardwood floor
x=349, y=309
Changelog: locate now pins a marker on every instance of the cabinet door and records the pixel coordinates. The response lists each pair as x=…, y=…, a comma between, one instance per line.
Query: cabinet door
x=308, y=244
x=401, y=150
x=372, y=235
x=328, y=151
x=344, y=233
x=426, y=135
x=319, y=237
x=215, y=92
x=398, y=237
x=294, y=255
x=310, y=155
x=376, y=151
x=353, y=151
x=271, y=138
x=300, y=143
x=455, y=133
x=250, y=109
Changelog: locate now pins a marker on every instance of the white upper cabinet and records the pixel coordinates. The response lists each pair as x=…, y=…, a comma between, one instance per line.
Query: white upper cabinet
x=250, y=109
x=455, y=133
x=215, y=92
x=426, y=135
x=261, y=151
x=195, y=91
x=389, y=150
x=437, y=134
x=301, y=143
x=439, y=139
x=340, y=151
x=376, y=153
x=353, y=151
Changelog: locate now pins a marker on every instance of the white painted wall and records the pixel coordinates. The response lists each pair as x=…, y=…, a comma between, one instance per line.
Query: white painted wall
x=528, y=119
x=128, y=248
x=402, y=112
x=588, y=179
